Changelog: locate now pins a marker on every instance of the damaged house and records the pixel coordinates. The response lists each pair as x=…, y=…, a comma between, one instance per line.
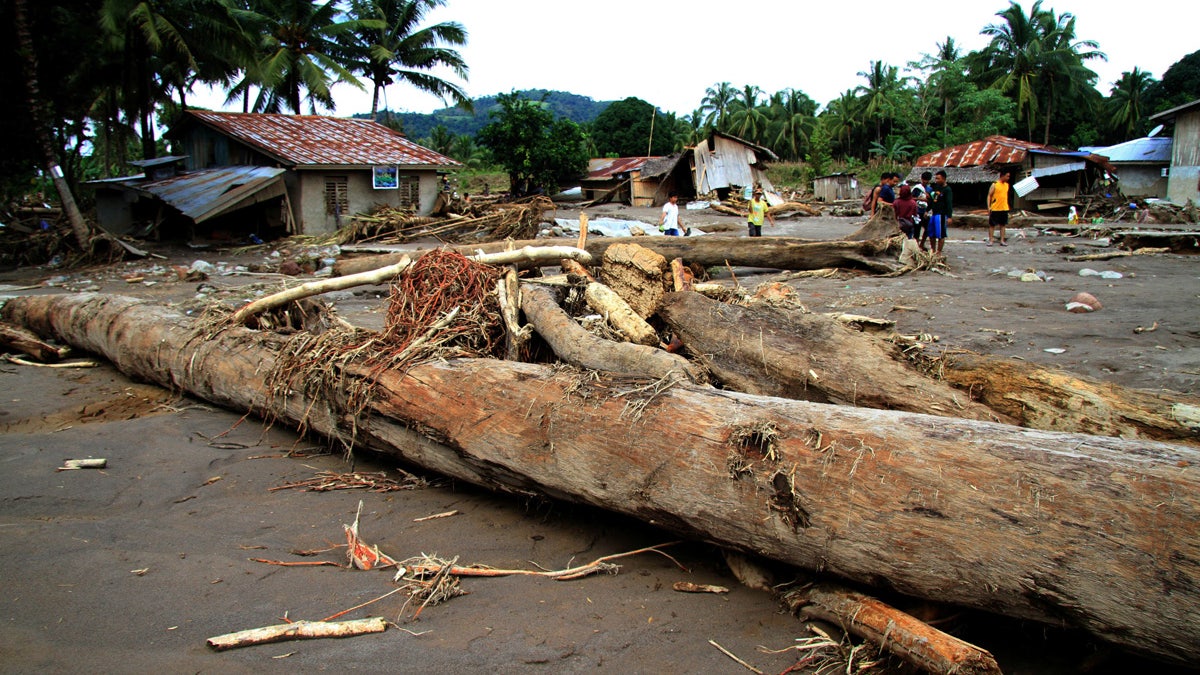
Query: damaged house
x=618, y=179
x=1141, y=165
x=1061, y=175
x=302, y=174
x=1183, y=183
x=720, y=164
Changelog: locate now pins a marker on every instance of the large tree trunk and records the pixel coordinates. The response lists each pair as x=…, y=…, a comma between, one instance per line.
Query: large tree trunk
x=41, y=125
x=1099, y=533
x=709, y=251
x=779, y=352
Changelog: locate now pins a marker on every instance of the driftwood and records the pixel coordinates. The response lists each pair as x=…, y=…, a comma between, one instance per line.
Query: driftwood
x=774, y=351
x=1099, y=533
x=528, y=256
x=1117, y=254
x=573, y=344
x=298, y=630
x=902, y=634
x=709, y=251
x=22, y=340
x=620, y=315
x=881, y=225
x=1044, y=398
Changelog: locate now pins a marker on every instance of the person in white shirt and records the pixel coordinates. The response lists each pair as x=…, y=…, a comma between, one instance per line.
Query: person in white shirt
x=669, y=222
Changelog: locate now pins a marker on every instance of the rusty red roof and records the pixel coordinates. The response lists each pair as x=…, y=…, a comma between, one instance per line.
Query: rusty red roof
x=991, y=150
x=607, y=167
x=316, y=140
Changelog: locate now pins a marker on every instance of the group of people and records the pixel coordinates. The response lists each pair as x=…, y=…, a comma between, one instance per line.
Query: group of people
x=924, y=211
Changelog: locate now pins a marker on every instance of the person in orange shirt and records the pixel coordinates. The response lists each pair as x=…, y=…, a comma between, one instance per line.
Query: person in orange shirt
x=997, y=200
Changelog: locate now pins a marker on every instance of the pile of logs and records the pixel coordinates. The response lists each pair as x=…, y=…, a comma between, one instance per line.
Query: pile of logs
x=819, y=446
x=459, y=221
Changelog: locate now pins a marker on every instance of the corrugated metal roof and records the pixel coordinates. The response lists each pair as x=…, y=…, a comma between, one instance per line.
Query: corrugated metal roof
x=1058, y=169
x=208, y=193
x=315, y=140
x=991, y=150
x=607, y=167
x=1152, y=149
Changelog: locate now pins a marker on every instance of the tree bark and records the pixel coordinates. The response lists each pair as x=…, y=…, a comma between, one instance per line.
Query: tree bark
x=25, y=341
x=578, y=347
x=41, y=124
x=708, y=251
x=1099, y=533
x=897, y=632
x=1053, y=400
x=771, y=351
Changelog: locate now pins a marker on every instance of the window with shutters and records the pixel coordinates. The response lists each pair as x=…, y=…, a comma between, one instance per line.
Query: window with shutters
x=337, y=195
x=409, y=192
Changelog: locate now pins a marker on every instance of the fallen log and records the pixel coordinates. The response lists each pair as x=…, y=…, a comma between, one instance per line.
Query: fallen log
x=902, y=634
x=772, y=351
x=1045, y=398
x=1117, y=254
x=709, y=251
x=576, y=346
x=1177, y=242
x=1097, y=533
x=22, y=340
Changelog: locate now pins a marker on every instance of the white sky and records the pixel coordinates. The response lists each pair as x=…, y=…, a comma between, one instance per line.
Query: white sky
x=667, y=52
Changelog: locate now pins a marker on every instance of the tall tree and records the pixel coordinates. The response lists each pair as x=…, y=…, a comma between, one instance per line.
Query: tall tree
x=716, y=104
x=537, y=151
x=41, y=123
x=1064, y=75
x=399, y=49
x=1126, y=106
x=792, y=120
x=632, y=128
x=879, y=103
x=302, y=53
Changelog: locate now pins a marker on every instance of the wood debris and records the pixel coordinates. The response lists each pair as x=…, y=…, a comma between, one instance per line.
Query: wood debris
x=375, y=481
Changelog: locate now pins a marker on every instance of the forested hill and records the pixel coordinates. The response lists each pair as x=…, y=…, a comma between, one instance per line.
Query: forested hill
x=576, y=108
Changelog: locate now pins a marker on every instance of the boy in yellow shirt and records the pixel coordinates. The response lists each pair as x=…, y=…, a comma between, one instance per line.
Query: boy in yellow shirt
x=758, y=211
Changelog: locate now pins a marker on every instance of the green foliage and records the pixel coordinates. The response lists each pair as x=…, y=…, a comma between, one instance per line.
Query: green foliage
x=578, y=109
x=1179, y=85
x=623, y=130
x=538, y=151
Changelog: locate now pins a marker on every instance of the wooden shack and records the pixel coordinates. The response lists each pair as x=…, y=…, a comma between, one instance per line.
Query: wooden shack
x=1183, y=183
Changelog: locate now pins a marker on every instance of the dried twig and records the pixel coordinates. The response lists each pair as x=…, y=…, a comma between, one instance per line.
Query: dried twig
x=731, y=655
x=299, y=630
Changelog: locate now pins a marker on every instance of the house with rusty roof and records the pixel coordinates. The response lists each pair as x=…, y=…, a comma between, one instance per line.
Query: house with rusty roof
x=1061, y=175
x=268, y=174
x=334, y=167
x=618, y=179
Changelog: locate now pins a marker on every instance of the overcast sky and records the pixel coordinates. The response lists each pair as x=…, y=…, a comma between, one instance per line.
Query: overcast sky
x=667, y=52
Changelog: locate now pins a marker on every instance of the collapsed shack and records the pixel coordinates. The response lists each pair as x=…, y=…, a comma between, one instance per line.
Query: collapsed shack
x=1064, y=528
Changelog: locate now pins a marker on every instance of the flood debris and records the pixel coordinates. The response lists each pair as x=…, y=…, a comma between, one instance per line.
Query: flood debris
x=431, y=388
x=76, y=464
x=297, y=630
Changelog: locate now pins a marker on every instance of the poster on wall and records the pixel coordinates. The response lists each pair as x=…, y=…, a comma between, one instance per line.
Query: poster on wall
x=385, y=177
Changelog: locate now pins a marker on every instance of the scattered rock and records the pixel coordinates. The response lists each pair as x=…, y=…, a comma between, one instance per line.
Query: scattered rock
x=1081, y=303
x=290, y=268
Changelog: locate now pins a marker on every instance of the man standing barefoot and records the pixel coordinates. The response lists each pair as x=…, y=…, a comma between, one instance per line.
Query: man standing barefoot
x=998, y=207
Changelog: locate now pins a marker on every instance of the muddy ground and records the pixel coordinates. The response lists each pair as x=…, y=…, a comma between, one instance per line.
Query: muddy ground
x=131, y=568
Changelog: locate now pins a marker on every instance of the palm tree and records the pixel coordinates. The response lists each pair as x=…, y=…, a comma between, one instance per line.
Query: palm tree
x=149, y=36
x=1063, y=71
x=1126, y=104
x=716, y=103
x=41, y=122
x=883, y=82
x=1013, y=58
x=747, y=119
x=301, y=54
x=793, y=112
x=399, y=50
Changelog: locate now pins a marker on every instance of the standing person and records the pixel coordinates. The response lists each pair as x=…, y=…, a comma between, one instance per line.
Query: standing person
x=758, y=210
x=887, y=191
x=872, y=196
x=998, y=207
x=921, y=194
x=941, y=199
x=669, y=222
x=906, y=211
